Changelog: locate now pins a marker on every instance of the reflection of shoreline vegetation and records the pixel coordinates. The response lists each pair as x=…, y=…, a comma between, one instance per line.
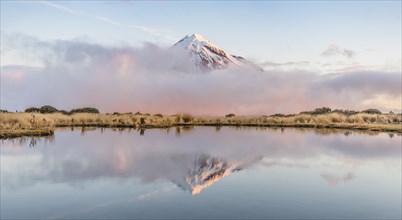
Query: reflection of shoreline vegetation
x=179, y=131
x=37, y=124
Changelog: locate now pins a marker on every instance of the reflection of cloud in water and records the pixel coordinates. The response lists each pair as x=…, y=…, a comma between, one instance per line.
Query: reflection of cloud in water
x=334, y=180
x=283, y=164
x=193, y=161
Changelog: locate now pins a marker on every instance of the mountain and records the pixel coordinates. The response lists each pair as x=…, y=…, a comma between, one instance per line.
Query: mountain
x=206, y=56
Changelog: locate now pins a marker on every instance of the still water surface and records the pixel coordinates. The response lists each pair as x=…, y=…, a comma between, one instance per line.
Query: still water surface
x=202, y=173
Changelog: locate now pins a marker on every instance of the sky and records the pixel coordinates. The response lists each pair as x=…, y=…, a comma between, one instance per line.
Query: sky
x=311, y=41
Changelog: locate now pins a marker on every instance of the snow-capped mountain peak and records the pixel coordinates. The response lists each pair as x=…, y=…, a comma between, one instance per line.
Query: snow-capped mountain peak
x=206, y=56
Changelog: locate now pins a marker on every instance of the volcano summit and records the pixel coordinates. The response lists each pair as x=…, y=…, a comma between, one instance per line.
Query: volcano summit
x=206, y=56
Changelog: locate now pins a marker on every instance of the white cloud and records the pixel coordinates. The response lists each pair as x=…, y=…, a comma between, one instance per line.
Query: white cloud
x=334, y=50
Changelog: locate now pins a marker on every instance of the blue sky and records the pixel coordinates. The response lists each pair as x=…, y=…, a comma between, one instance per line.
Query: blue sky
x=276, y=31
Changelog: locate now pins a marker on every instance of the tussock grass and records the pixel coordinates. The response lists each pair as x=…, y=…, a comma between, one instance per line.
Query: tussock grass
x=19, y=122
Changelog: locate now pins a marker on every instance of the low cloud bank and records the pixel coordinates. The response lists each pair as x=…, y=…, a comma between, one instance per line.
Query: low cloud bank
x=158, y=80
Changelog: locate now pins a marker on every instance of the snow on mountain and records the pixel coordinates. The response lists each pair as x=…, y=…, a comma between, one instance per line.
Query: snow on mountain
x=206, y=56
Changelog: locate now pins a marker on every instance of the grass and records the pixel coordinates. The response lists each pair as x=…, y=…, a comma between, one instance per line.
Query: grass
x=25, y=132
x=33, y=124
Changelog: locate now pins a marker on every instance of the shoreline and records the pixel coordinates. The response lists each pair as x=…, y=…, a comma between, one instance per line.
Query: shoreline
x=37, y=124
x=7, y=134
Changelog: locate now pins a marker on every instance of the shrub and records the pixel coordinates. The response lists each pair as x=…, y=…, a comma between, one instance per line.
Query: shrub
x=230, y=115
x=48, y=109
x=142, y=121
x=187, y=118
x=32, y=109
x=323, y=110
x=85, y=110
x=372, y=111
x=336, y=118
x=158, y=115
x=278, y=115
x=345, y=112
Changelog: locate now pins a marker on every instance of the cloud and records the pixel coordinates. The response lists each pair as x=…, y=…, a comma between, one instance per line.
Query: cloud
x=152, y=194
x=334, y=50
x=348, y=53
x=157, y=80
x=334, y=180
x=107, y=20
x=286, y=64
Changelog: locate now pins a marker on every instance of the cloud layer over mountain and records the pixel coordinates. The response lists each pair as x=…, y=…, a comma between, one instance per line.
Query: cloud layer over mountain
x=156, y=80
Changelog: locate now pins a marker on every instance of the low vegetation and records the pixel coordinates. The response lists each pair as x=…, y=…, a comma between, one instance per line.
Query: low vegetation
x=48, y=109
x=33, y=122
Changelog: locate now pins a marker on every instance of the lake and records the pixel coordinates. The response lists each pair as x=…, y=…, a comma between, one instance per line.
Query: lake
x=202, y=173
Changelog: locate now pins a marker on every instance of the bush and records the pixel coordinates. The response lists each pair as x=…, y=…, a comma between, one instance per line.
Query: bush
x=31, y=109
x=278, y=115
x=187, y=118
x=372, y=111
x=158, y=115
x=48, y=109
x=230, y=115
x=323, y=110
x=345, y=112
x=85, y=110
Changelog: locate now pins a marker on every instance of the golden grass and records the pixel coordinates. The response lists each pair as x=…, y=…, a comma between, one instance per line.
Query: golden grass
x=22, y=122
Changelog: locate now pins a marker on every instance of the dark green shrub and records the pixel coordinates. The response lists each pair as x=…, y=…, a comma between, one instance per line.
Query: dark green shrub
x=323, y=110
x=345, y=112
x=85, y=110
x=278, y=115
x=230, y=115
x=32, y=109
x=48, y=109
x=372, y=111
x=158, y=115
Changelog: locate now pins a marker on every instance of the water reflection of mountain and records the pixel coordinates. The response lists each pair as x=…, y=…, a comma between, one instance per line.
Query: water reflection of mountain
x=192, y=161
x=205, y=171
